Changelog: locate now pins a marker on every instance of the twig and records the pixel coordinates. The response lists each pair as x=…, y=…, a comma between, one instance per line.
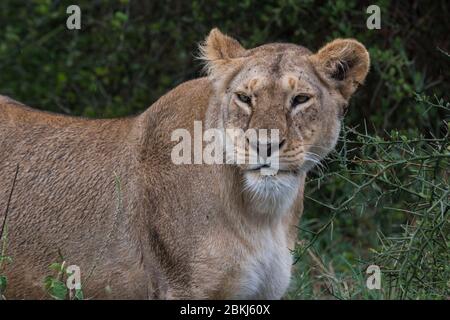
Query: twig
x=8, y=203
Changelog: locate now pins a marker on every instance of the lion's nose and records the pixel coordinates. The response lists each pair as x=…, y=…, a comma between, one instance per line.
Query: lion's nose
x=265, y=149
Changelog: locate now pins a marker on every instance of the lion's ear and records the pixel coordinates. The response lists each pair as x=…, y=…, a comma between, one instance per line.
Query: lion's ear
x=218, y=49
x=344, y=62
x=218, y=46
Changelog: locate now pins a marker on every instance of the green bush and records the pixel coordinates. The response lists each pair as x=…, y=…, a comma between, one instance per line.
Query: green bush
x=129, y=53
x=383, y=201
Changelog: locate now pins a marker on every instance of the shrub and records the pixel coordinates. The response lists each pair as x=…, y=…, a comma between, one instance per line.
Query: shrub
x=383, y=201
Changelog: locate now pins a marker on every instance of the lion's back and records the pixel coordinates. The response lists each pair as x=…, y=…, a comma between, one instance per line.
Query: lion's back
x=64, y=192
x=65, y=195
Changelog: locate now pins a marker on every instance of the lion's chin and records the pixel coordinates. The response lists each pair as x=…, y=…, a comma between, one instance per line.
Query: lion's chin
x=271, y=193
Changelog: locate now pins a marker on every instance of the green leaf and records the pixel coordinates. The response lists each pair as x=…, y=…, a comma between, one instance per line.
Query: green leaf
x=79, y=294
x=58, y=290
x=3, y=283
x=56, y=266
x=5, y=259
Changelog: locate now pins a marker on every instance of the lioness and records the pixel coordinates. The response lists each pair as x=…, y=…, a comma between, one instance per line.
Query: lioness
x=104, y=194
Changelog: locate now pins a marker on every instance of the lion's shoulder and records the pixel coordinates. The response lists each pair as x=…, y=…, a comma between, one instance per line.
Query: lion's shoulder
x=186, y=102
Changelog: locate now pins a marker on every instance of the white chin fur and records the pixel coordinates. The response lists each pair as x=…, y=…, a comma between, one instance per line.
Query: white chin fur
x=271, y=194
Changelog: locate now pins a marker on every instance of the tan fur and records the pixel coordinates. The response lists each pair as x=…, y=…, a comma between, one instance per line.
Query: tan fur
x=166, y=230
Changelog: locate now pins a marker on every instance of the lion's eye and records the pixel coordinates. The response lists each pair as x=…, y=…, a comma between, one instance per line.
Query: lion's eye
x=244, y=98
x=300, y=99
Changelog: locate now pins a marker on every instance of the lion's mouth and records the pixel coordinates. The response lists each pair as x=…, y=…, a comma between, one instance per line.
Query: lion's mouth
x=267, y=169
x=259, y=167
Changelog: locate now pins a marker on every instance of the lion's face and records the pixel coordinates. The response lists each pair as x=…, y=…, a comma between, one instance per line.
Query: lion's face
x=286, y=88
x=282, y=92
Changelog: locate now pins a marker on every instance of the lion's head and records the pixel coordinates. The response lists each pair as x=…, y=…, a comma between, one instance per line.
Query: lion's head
x=285, y=87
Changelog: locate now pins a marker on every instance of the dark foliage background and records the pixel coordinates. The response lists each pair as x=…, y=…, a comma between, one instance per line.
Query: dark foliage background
x=128, y=53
